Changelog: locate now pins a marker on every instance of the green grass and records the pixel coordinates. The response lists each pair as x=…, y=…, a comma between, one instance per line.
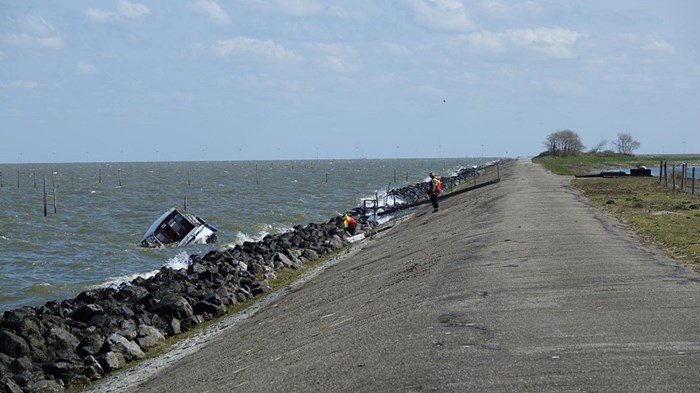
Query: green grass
x=584, y=164
x=668, y=219
x=663, y=217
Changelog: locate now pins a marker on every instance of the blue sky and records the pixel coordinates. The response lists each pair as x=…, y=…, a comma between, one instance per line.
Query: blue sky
x=119, y=80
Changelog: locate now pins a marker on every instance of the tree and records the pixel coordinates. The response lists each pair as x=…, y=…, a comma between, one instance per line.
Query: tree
x=599, y=147
x=564, y=142
x=625, y=144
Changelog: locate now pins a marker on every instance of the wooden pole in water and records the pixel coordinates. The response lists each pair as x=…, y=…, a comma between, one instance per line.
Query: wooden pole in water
x=45, y=213
x=0, y=179
x=17, y=179
x=326, y=177
x=99, y=176
x=53, y=188
x=189, y=183
x=256, y=173
x=119, y=174
x=185, y=202
x=394, y=175
x=34, y=176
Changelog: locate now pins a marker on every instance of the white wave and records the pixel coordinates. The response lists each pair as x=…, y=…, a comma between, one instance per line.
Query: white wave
x=179, y=261
x=241, y=237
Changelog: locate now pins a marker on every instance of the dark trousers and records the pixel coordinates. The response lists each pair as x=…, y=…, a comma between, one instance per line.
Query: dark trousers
x=434, y=200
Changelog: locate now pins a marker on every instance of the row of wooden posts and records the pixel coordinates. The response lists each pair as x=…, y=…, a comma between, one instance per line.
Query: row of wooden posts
x=680, y=172
x=119, y=175
x=99, y=180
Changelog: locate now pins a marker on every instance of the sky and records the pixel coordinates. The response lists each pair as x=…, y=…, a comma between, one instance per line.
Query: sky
x=163, y=80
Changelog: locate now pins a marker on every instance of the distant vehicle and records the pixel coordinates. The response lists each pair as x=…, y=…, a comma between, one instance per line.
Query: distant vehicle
x=174, y=228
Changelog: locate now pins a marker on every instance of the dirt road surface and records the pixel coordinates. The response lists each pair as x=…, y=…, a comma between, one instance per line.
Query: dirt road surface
x=516, y=287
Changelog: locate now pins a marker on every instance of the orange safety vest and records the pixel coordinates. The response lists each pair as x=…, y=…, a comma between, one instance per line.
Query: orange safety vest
x=436, y=184
x=348, y=221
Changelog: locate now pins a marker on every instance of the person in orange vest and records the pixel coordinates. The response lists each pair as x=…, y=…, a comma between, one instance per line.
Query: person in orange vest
x=434, y=189
x=349, y=224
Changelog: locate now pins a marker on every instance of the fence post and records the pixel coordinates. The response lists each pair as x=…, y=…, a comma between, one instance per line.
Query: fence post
x=673, y=176
x=692, y=189
x=661, y=170
x=683, y=177
x=666, y=173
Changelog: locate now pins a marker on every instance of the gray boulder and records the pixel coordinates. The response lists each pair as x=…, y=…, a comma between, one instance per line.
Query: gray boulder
x=13, y=345
x=149, y=337
x=110, y=361
x=173, y=306
x=119, y=343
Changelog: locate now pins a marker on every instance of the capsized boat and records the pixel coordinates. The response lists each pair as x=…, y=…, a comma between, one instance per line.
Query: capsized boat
x=175, y=228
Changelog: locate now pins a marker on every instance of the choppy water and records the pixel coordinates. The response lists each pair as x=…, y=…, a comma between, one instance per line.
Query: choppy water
x=92, y=238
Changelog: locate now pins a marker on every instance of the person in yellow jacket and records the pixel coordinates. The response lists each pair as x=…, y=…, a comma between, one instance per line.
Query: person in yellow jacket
x=434, y=189
x=349, y=224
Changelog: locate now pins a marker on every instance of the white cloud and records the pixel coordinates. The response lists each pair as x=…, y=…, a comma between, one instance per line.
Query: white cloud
x=98, y=15
x=566, y=87
x=25, y=84
x=485, y=41
x=125, y=10
x=338, y=57
x=553, y=42
x=661, y=47
x=448, y=15
x=344, y=13
x=338, y=64
x=184, y=96
x=268, y=48
x=300, y=7
x=26, y=40
x=503, y=9
x=291, y=7
x=306, y=8
x=397, y=49
x=86, y=69
x=470, y=77
x=212, y=10
x=131, y=10
x=33, y=31
x=340, y=50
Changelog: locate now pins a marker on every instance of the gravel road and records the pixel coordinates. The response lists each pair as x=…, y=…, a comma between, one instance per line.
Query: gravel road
x=520, y=286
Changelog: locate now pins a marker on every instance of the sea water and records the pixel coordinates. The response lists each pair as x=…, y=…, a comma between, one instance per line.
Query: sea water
x=96, y=213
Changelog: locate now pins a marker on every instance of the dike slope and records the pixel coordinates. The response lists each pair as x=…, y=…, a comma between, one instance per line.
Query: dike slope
x=519, y=286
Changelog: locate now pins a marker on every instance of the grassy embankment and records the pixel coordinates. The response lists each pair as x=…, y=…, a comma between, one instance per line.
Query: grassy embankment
x=666, y=218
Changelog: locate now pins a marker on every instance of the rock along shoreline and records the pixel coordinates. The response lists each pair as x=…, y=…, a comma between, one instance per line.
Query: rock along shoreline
x=72, y=343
